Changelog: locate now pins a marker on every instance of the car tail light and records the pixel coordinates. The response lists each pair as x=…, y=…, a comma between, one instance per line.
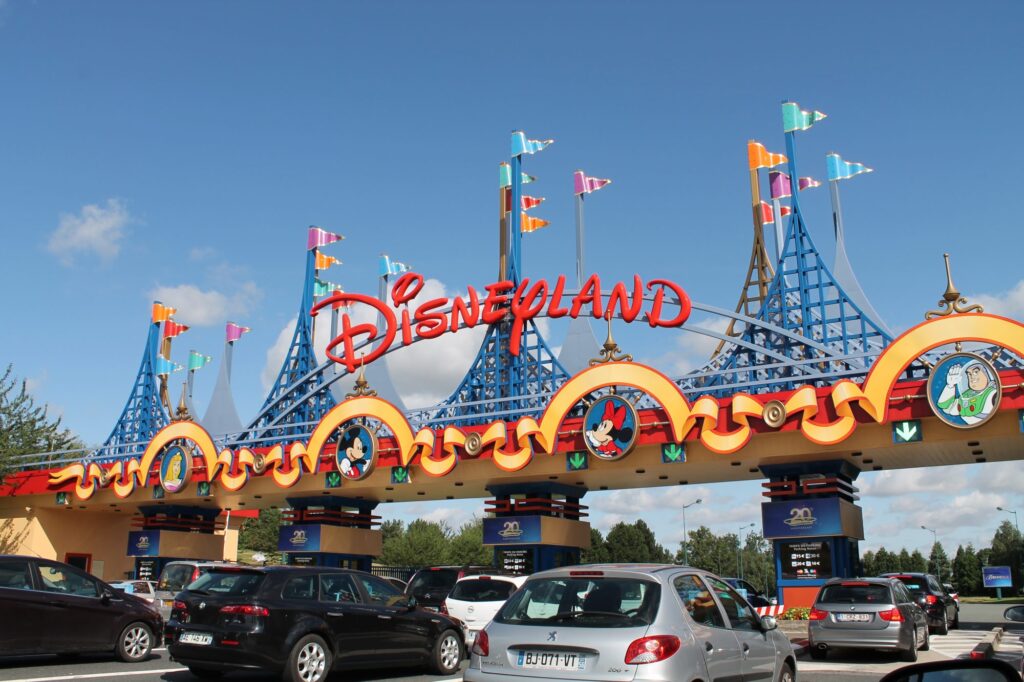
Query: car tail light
x=195, y=575
x=586, y=574
x=892, y=615
x=651, y=649
x=817, y=614
x=931, y=599
x=179, y=606
x=245, y=610
x=482, y=644
x=444, y=608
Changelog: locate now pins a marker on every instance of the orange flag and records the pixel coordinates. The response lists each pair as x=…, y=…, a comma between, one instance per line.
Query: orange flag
x=531, y=224
x=759, y=157
x=323, y=261
x=161, y=312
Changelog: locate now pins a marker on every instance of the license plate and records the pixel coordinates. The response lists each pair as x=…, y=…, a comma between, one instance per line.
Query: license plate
x=551, y=660
x=854, y=617
x=196, y=638
x=168, y=603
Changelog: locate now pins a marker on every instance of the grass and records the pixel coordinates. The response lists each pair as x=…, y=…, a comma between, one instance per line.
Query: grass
x=991, y=600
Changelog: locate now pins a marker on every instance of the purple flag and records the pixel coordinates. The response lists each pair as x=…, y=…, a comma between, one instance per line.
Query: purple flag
x=805, y=183
x=779, y=184
x=585, y=185
x=235, y=331
x=319, y=237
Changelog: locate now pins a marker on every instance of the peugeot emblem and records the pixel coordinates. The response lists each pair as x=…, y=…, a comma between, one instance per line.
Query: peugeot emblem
x=202, y=605
x=552, y=635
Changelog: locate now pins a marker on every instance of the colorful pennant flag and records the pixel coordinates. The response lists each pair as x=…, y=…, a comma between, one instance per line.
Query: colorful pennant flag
x=172, y=329
x=768, y=216
x=235, y=331
x=324, y=288
x=390, y=268
x=197, y=360
x=794, y=118
x=323, y=261
x=505, y=176
x=843, y=170
x=779, y=185
x=759, y=157
x=531, y=202
x=161, y=312
x=165, y=366
x=530, y=224
x=318, y=237
x=584, y=184
x=808, y=183
x=520, y=145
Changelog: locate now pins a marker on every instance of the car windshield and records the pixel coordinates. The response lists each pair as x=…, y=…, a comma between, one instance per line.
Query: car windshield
x=438, y=580
x=235, y=583
x=482, y=589
x=583, y=602
x=866, y=593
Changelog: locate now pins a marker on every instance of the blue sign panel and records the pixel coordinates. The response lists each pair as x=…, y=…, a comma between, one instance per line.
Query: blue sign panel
x=512, y=530
x=996, y=576
x=143, y=543
x=304, y=538
x=802, y=518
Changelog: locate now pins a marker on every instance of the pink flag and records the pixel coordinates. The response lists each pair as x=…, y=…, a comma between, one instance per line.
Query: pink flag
x=585, y=185
x=805, y=183
x=779, y=184
x=235, y=331
x=318, y=237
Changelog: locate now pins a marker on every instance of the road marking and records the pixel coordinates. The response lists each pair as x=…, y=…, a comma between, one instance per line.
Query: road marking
x=93, y=676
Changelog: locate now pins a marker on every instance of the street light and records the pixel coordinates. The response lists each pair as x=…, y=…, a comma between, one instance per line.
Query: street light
x=1011, y=511
x=935, y=537
x=739, y=547
x=686, y=538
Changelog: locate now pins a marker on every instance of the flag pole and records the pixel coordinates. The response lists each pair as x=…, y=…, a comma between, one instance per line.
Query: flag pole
x=515, y=236
x=777, y=214
x=837, y=213
x=579, y=240
x=165, y=352
x=503, y=193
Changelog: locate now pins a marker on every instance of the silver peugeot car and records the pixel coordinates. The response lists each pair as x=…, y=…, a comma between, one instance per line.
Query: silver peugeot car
x=867, y=613
x=629, y=622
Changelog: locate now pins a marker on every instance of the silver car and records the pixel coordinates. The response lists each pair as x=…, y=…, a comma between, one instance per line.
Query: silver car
x=629, y=622
x=867, y=613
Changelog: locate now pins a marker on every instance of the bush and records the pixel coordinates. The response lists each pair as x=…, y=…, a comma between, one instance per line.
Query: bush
x=797, y=613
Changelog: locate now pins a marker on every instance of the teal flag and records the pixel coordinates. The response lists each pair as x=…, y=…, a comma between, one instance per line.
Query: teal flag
x=165, y=366
x=197, y=360
x=323, y=288
x=794, y=118
x=505, y=176
x=843, y=170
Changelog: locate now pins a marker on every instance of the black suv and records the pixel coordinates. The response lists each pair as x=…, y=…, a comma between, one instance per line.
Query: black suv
x=942, y=609
x=305, y=622
x=430, y=586
x=52, y=608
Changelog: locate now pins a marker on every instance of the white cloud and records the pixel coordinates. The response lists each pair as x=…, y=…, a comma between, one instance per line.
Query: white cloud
x=202, y=308
x=691, y=349
x=909, y=481
x=96, y=229
x=200, y=253
x=1008, y=303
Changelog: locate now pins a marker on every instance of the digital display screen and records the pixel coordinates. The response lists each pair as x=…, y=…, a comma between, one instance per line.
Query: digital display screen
x=806, y=560
x=516, y=560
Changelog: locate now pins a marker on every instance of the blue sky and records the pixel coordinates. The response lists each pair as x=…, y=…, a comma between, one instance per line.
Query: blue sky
x=178, y=151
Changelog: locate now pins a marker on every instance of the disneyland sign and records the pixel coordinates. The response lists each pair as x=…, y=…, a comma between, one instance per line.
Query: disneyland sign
x=499, y=301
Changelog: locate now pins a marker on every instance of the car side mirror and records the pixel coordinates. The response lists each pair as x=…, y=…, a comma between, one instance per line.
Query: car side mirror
x=984, y=670
x=410, y=602
x=1014, y=613
x=107, y=595
x=769, y=623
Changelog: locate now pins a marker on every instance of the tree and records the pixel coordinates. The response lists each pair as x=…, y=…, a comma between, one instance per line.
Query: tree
x=967, y=571
x=710, y=552
x=597, y=553
x=391, y=528
x=918, y=564
x=1006, y=549
x=886, y=561
x=759, y=563
x=867, y=562
x=938, y=562
x=261, y=534
x=467, y=546
x=26, y=428
x=905, y=561
x=424, y=543
x=635, y=542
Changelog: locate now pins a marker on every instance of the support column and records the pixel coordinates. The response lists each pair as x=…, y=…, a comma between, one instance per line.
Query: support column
x=536, y=526
x=814, y=526
x=331, y=531
x=164, y=533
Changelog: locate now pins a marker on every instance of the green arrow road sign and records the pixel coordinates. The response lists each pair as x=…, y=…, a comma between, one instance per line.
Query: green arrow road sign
x=673, y=453
x=906, y=431
x=575, y=461
x=62, y=498
x=332, y=479
x=1020, y=418
x=159, y=492
x=400, y=475
x=203, y=489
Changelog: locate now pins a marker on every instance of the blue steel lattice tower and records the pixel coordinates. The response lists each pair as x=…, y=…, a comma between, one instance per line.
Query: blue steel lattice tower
x=500, y=385
x=143, y=414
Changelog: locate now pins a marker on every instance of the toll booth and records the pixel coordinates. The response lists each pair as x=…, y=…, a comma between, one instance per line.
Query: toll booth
x=166, y=533
x=330, y=531
x=536, y=526
x=814, y=526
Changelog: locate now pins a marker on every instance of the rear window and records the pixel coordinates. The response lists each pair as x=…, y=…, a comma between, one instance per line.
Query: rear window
x=915, y=585
x=482, y=590
x=440, y=580
x=175, y=577
x=229, y=583
x=583, y=602
x=855, y=594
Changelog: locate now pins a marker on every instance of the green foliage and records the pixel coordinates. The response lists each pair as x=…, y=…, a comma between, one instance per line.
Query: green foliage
x=260, y=534
x=635, y=543
x=938, y=563
x=1006, y=550
x=467, y=546
x=795, y=613
x=918, y=564
x=711, y=552
x=967, y=571
x=424, y=543
x=597, y=553
x=26, y=428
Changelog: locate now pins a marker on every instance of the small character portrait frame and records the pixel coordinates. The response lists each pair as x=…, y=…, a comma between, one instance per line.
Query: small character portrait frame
x=610, y=427
x=357, y=451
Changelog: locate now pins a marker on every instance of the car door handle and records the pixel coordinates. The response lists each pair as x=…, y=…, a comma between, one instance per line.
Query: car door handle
x=57, y=603
x=746, y=648
x=709, y=647
x=335, y=613
x=383, y=617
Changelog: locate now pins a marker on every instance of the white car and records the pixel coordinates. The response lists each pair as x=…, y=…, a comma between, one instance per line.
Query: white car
x=475, y=600
x=140, y=588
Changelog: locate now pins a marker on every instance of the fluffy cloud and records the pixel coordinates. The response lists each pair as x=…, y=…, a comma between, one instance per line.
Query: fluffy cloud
x=96, y=229
x=201, y=308
x=1008, y=303
x=691, y=348
x=910, y=481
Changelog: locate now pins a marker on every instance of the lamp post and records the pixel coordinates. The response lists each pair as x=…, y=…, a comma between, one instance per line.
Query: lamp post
x=1011, y=511
x=686, y=538
x=739, y=547
x=935, y=541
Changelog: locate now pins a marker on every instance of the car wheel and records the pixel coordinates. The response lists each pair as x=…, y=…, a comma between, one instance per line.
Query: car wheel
x=944, y=628
x=447, y=653
x=205, y=673
x=910, y=655
x=927, y=641
x=787, y=674
x=310, y=660
x=956, y=620
x=135, y=643
x=818, y=654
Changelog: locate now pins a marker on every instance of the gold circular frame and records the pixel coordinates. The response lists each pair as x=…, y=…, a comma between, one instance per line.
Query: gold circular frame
x=945, y=418
x=630, y=410
x=371, y=460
